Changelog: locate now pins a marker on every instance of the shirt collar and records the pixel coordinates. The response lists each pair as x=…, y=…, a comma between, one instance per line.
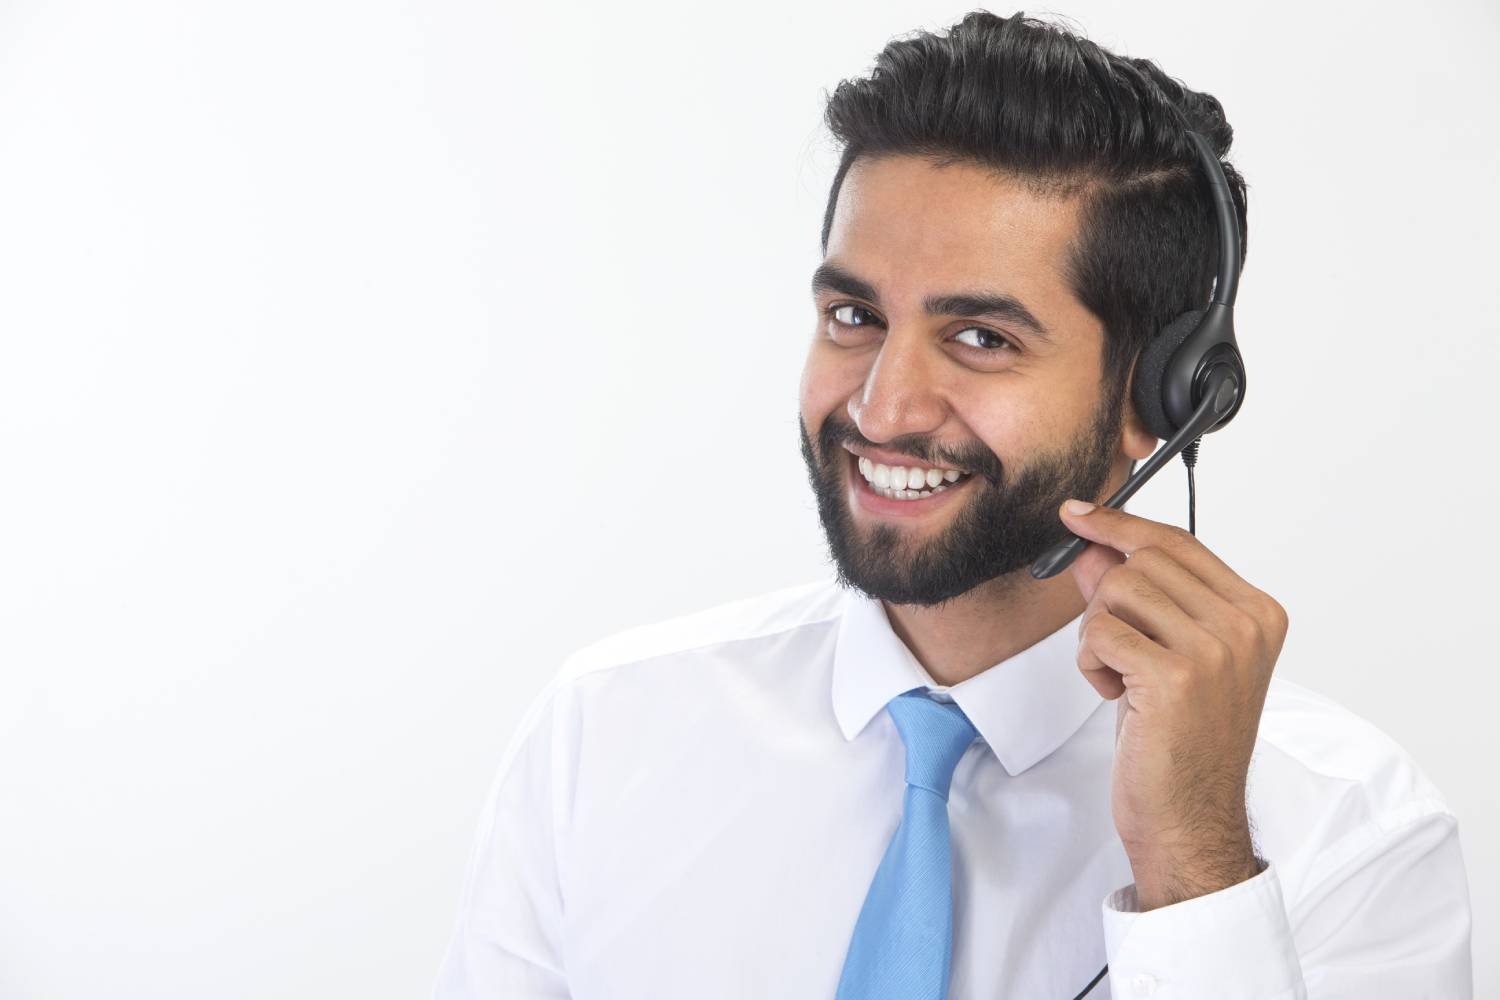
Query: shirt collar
x=1024, y=707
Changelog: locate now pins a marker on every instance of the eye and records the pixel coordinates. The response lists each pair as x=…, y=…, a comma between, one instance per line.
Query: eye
x=848, y=311
x=989, y=342
x=995, y=341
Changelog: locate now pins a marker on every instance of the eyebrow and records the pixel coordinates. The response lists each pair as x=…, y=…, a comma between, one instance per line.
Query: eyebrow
x=994, y=305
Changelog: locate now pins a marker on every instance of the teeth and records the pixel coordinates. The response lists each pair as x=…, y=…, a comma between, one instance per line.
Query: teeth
x=908, y=494
x=905, y=483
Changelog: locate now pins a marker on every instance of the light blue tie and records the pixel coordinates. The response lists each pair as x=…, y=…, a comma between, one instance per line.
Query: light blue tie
x=902, y=947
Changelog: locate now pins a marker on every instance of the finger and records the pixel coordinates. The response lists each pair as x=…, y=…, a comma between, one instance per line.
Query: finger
x=1092, y=563
x=1105, y=679
x=1113, y=644
x=1127, y=533
x=1199, y=601
x=1134, y=598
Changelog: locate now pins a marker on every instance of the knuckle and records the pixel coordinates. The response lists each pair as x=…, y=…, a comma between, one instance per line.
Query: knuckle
x=1220, y=657
x=1177, y=676
x=1246, y=630
x=1275, y=614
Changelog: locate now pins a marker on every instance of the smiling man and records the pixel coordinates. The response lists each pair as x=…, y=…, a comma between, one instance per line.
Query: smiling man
x=936, y=775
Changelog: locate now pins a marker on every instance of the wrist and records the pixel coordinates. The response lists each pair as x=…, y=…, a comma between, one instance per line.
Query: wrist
x=1164, y=876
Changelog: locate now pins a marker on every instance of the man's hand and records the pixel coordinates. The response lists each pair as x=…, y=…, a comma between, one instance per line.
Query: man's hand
x=1191, y=646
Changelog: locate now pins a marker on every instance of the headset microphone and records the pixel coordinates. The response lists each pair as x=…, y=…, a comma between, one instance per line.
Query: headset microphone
x=1189, y=379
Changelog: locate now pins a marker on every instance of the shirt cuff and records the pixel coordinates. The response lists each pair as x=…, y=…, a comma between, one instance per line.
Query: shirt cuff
x=1234, y=944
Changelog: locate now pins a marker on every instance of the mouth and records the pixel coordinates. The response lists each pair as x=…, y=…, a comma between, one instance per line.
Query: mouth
x=920, y=490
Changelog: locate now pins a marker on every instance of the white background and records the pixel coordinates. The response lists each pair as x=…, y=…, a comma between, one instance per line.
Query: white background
x=361, y=360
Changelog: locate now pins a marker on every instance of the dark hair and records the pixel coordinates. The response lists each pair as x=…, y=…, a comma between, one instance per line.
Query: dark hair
x=1040, y=103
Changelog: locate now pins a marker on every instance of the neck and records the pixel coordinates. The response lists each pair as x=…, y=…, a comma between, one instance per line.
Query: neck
x=991, y=623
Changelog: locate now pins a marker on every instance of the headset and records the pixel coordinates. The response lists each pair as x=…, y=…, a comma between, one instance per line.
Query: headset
x=1189, y=379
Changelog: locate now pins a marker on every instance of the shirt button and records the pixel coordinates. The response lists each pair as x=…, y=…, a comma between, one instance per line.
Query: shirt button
x=1144, y=983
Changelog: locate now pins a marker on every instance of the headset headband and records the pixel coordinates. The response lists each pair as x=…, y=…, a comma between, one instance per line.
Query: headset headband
x=1228, y=281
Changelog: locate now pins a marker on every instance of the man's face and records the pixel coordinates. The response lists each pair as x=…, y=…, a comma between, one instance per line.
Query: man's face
x=1012, y=397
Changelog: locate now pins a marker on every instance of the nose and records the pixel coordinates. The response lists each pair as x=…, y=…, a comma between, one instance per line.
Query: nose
x=899, y=394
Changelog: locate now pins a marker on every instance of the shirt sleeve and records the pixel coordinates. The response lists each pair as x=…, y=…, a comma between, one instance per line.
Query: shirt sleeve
x=507, y=939
x=1385, y=914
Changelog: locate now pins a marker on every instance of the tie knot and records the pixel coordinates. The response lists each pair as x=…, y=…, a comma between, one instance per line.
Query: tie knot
x=936, y=735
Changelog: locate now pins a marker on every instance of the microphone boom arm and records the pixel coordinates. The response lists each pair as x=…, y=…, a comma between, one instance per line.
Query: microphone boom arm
x=1223, y=389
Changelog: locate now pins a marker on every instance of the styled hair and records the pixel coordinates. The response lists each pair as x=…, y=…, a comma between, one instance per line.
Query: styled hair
x=1037, y=102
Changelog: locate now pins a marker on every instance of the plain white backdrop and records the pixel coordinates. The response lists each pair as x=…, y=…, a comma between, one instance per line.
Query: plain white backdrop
x=359, y=361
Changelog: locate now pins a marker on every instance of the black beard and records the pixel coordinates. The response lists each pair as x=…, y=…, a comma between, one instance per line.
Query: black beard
x=1007, y=521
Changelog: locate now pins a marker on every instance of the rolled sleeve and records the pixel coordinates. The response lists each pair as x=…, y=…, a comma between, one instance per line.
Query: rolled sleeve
x=1234, y=944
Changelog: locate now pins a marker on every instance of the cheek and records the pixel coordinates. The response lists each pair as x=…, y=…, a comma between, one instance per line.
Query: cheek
x=829, y=378
x=1015, y=421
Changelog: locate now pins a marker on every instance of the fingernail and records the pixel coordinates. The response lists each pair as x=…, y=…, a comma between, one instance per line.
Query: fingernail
x=1078, y=507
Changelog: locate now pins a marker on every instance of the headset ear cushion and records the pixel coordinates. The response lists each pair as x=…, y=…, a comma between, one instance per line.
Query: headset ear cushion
x=1151, y=370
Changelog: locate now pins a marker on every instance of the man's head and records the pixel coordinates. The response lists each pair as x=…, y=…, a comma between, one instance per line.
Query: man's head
x=1015, y=213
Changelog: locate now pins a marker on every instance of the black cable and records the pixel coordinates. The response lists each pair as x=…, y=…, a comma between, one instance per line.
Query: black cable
x=1092, y=984
x=1190, y=459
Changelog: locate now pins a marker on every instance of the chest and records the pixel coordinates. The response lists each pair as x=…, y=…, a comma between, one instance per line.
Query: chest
x=742, y=873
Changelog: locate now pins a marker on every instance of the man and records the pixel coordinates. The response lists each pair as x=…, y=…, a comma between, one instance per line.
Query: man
x=937, y=775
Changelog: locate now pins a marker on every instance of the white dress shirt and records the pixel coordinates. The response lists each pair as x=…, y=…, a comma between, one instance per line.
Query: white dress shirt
x=696, y=809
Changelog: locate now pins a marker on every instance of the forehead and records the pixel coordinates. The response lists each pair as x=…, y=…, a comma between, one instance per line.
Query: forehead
x=908, y=225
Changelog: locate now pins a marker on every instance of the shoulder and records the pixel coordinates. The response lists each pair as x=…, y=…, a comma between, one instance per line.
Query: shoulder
x=554, y=712
x=763, y=615
x=1327, y=786
x=1333, y=743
